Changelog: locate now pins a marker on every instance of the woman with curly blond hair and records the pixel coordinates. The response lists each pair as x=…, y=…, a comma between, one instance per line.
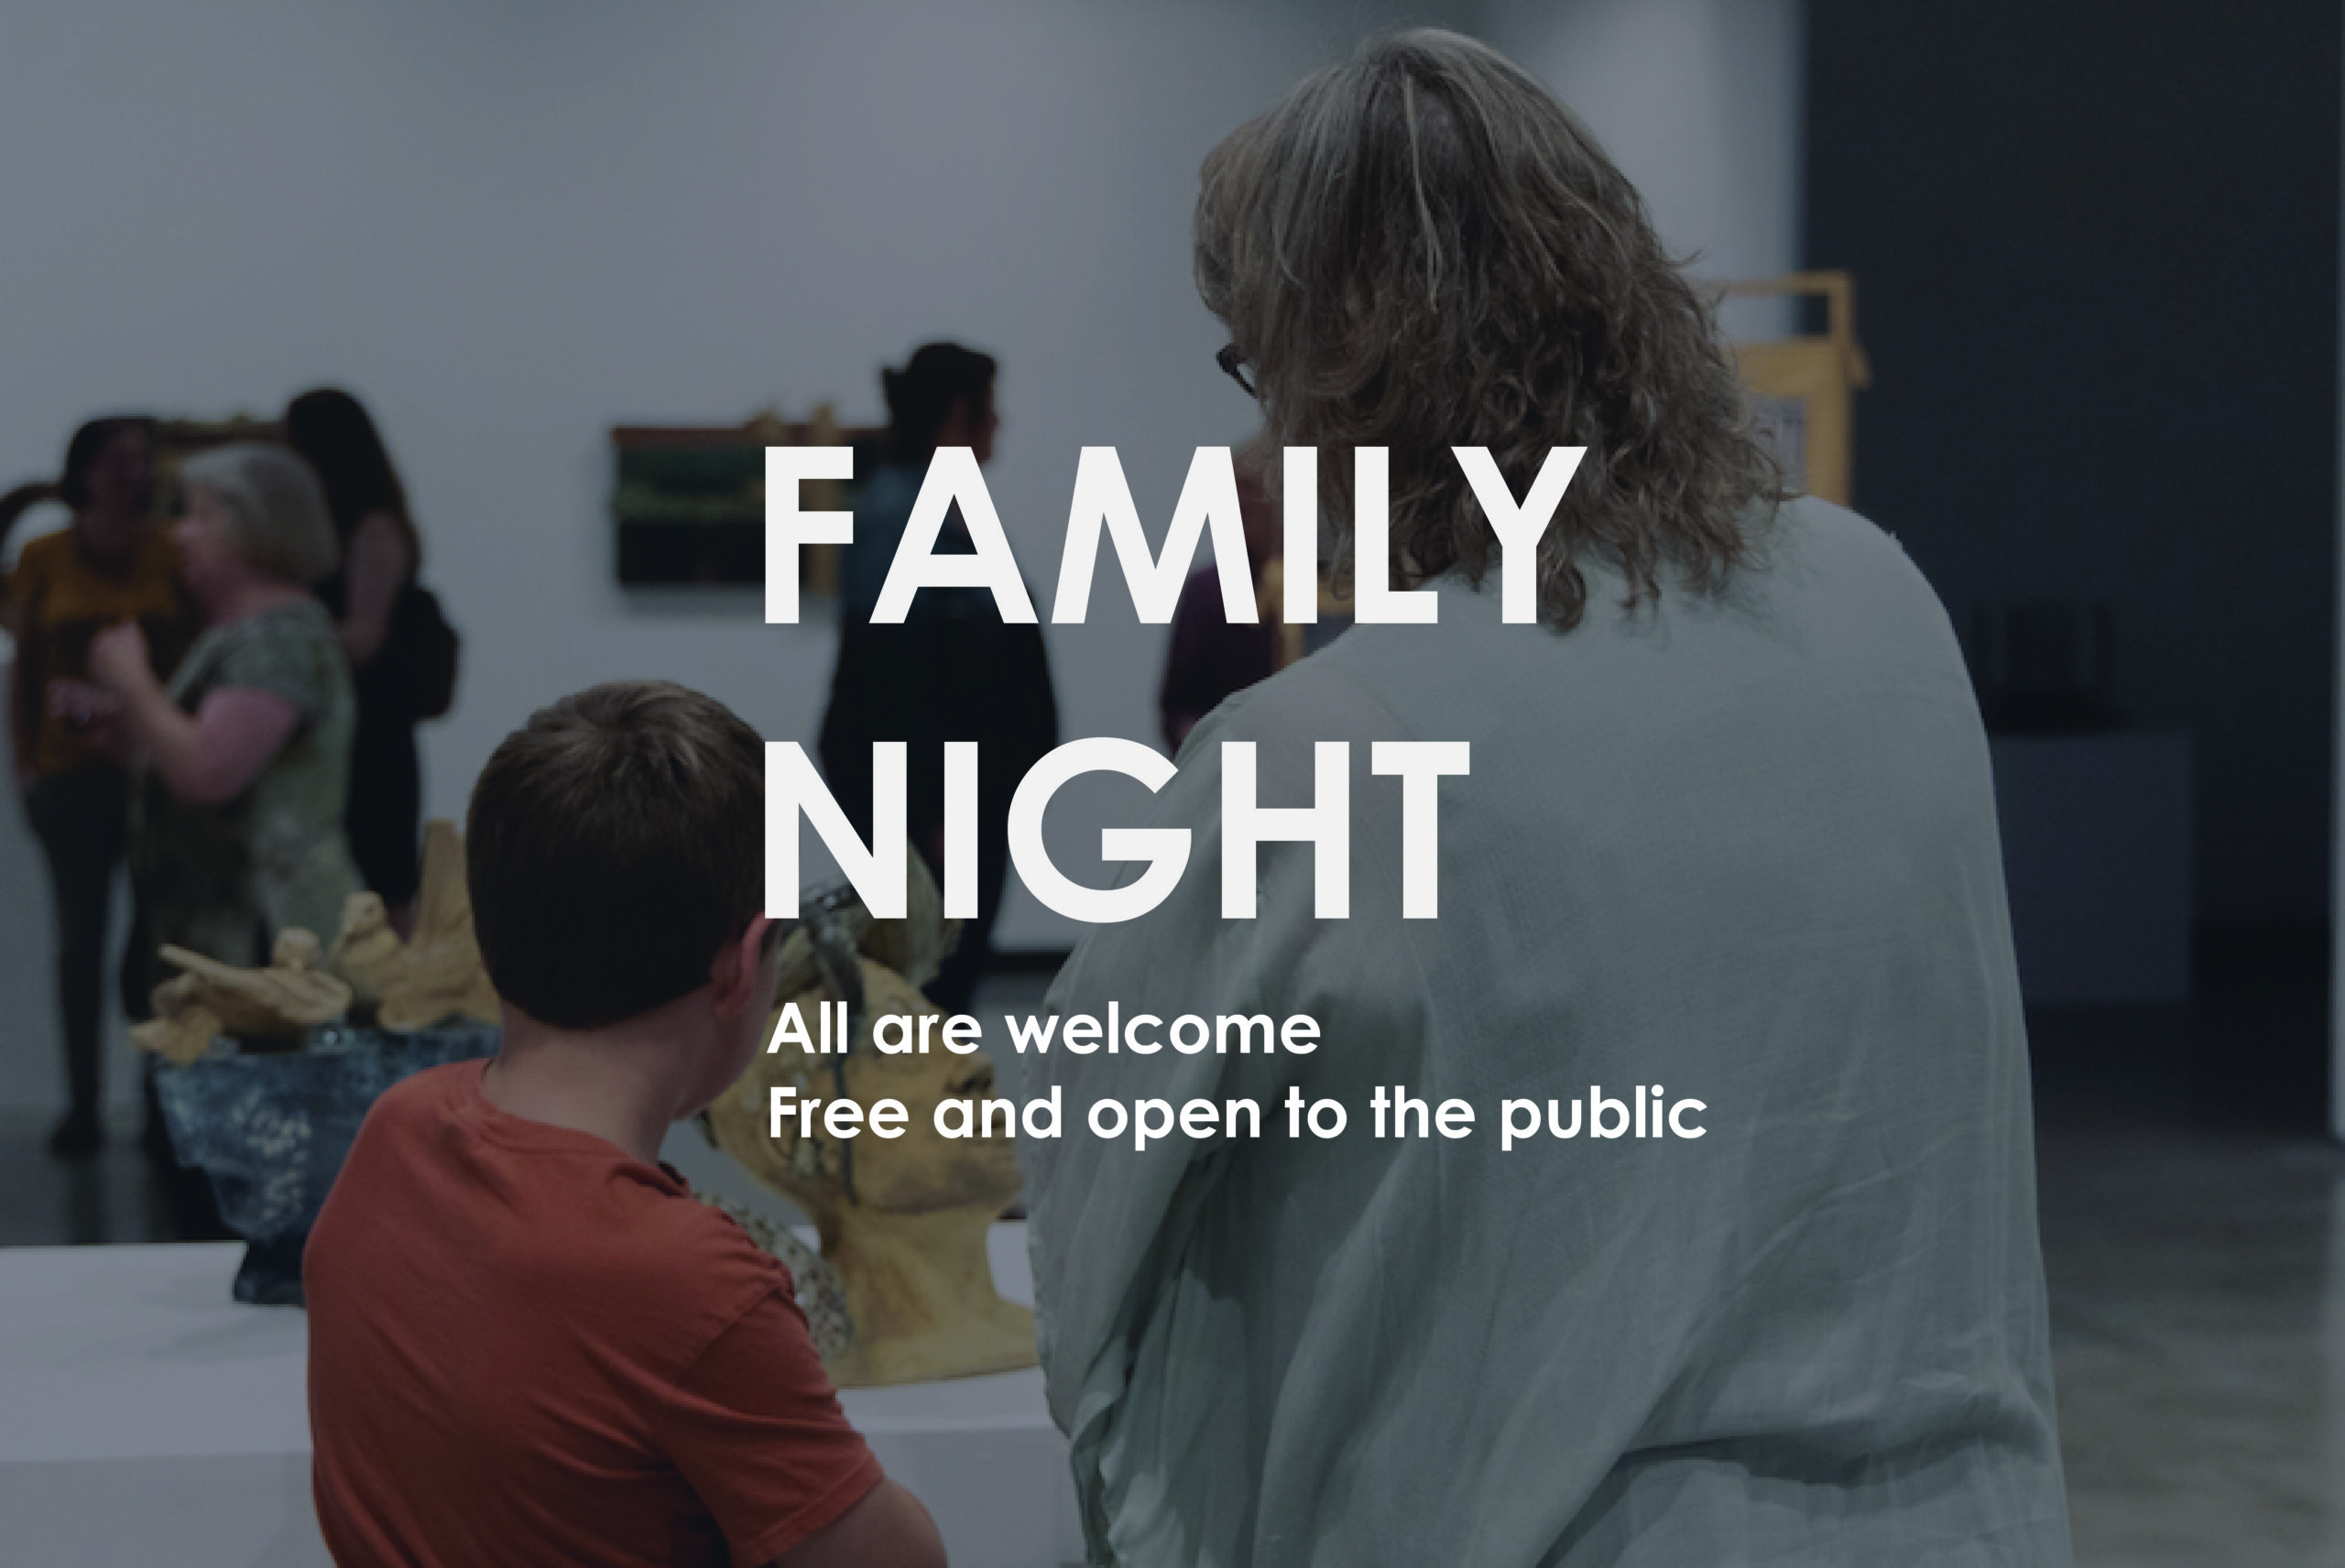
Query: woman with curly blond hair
x=1725, y=852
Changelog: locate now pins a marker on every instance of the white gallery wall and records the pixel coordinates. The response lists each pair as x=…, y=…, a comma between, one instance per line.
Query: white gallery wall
x=1697, y=101
x=508, y=226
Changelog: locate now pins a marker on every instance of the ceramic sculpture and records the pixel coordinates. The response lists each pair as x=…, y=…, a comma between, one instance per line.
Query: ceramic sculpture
x=270, y=1131
x=434, y=975
x=902, y=1221
x=261, y=1009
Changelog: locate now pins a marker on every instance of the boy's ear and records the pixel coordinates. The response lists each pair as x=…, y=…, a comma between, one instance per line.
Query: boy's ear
x=739, y=969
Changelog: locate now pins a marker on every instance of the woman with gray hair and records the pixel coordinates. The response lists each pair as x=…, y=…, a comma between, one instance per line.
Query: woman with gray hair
x=1723, y=850
x=236, y=830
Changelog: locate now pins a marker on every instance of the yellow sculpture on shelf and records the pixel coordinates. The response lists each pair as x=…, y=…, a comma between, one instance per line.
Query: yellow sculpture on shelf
x=261, y=1009
x=1804, y=387
x=902, y=1220
x=433, y=975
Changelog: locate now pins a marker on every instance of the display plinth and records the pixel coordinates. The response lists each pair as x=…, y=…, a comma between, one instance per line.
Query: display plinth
x=2097, y=856
x=154, y=1420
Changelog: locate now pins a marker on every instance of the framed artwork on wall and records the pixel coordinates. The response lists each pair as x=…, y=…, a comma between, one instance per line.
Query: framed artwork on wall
x=176, y=441
x=688, y=501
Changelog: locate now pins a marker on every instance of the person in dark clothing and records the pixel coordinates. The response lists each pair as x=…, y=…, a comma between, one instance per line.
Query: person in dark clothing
x=116, y=562
x=369, y=596
x=1211, y=658
x=952, y=671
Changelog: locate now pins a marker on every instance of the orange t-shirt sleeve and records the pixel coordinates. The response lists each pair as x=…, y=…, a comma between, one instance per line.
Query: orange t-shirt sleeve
x=756, y=1428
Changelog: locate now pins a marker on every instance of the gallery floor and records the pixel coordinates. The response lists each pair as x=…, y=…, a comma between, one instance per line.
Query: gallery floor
x=2194, y=1238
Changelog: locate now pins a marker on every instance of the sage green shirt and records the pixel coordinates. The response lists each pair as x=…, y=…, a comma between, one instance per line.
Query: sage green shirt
x=1742, y=848
x=225, y=879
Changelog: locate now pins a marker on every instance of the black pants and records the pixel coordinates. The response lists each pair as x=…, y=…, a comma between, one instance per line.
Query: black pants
x=954, y=672
x=82, y=819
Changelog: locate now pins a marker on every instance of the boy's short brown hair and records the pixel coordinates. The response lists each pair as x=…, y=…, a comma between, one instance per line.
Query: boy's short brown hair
x=615, y=844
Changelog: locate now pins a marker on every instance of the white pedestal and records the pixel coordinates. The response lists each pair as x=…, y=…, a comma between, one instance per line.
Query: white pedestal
x=144, y=1417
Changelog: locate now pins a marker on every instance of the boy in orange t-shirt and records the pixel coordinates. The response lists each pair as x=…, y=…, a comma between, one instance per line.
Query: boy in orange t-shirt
x=527, y=1341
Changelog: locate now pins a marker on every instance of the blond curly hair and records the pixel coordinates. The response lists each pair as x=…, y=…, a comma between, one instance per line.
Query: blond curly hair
x=1421, y=248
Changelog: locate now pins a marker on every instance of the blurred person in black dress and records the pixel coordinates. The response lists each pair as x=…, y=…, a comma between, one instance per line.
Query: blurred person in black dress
x=952, y=671
x=402, y=655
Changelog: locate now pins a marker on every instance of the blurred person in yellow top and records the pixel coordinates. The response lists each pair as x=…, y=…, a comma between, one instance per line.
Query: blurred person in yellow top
x=114, y=563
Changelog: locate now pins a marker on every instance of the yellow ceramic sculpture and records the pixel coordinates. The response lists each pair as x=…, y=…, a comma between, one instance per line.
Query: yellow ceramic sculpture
x=261, y=1009
x=435, y=974
x=904, y=1220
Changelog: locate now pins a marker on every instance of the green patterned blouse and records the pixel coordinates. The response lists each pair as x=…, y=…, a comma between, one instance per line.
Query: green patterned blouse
x=225, y=879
